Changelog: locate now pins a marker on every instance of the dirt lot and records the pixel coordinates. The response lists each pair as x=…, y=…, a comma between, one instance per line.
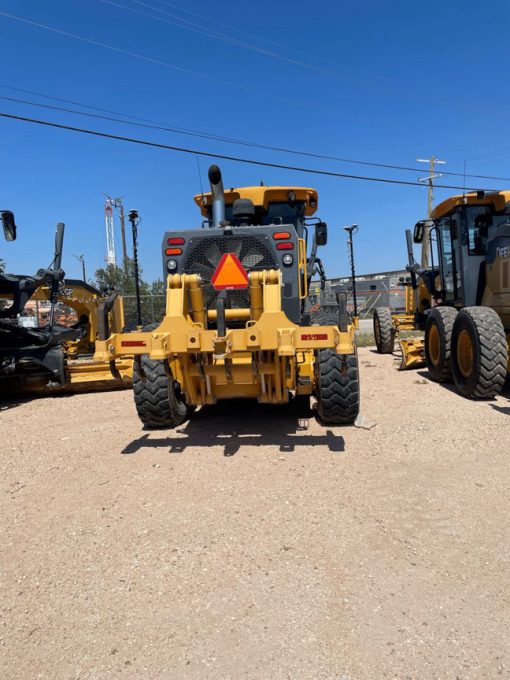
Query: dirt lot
x=243, y=546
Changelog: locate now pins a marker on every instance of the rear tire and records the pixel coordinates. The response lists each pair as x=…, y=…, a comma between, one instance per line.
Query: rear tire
x=384, y=330
x=158, y=400
x=479, y=353
x=337, y=381
x=438, y=337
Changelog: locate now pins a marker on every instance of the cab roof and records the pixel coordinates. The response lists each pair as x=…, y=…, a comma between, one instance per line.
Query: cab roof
x=262, y=196
x=498, y=199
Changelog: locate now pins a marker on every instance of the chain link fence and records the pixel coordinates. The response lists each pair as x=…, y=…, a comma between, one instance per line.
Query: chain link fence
x=152, y=306
x=383, y=291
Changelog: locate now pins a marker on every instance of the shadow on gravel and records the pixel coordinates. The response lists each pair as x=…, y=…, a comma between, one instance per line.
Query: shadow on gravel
x=451, y=388
x=502, y=409
x=12, y=402
x=234, y=424
x=66, y=392
x=423, y=373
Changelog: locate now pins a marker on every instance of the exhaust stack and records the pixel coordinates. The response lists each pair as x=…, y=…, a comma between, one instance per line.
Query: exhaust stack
x=218, y=196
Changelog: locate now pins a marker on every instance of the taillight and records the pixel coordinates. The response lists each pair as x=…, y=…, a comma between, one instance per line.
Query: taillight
x=285, y=246
x=279, y=235
x=173, y=251
x=176, y=241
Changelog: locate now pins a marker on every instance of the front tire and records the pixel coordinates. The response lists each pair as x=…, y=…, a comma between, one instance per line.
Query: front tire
x=479, y=353
x=384, y=330
x=158, y=399
x=438, y=337
x=337, y=384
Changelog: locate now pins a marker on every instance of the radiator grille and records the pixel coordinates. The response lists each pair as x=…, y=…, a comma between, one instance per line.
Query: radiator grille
x=205, y=254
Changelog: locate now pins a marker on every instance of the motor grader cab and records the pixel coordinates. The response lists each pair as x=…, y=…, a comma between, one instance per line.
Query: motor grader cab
x=462, y=298
x=54, y=354
x=235, y=323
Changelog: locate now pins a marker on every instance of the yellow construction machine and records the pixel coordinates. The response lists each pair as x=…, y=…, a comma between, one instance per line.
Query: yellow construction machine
x=235, y=323
x=55, y=352
x=460, y=295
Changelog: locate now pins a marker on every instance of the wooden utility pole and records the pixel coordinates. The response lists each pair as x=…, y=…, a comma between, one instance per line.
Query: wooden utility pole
x=120, y=204
x=433, y=161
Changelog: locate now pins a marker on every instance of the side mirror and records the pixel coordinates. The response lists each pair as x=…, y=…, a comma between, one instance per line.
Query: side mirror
x=419, y=231
x=321, y=233
x=9, y=225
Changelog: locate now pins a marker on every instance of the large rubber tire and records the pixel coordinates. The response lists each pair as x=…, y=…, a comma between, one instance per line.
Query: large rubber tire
x=337, y=386
x=479, y=353
x=158, y=400
x=438, y=338
x=384, y=330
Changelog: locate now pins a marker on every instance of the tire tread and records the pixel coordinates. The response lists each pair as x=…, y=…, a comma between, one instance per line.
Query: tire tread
x=383, y=318
x=492, y=354
x=338, y=388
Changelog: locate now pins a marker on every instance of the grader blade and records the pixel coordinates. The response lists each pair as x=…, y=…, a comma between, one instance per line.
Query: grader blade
x=413, y=354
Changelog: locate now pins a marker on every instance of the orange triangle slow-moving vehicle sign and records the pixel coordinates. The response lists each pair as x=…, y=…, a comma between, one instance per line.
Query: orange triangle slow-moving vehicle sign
x=230, y=273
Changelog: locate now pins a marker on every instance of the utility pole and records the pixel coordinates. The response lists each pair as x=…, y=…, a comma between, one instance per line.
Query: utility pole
x=351, y=231
x=81, y=259
x=117, y=203
x=432, y=161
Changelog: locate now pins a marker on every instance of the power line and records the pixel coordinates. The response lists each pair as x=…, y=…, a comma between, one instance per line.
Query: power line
x=204, y=30
x=158, y=62
x=154, y=125
x=237, y=159
x=258, y=38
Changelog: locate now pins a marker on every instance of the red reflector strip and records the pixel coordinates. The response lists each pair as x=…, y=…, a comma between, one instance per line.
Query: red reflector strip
x=175, y=241
x=133, y=343
x=280, y=235
x=173, y=251
x=285, y=246
x=314, y=336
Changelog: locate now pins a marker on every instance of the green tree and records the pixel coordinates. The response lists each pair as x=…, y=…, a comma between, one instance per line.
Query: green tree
x=2, y=266
x=152, y=295
x=158, y=287
x=113, y=276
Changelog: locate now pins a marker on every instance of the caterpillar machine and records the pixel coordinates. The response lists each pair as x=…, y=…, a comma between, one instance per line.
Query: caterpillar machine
x=54, y=356
x=459, y=295
x=235, y=324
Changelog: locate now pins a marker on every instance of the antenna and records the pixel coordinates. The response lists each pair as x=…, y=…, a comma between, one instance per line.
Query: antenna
x=199, y=176
x=351, y=231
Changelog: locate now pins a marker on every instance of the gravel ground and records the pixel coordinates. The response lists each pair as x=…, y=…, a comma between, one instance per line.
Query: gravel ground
x=249, y=545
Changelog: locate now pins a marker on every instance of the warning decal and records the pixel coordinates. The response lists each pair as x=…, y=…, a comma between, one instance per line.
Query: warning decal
x=230, y=273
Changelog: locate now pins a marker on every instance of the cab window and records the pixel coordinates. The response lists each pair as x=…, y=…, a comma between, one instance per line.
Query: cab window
x=477, y=219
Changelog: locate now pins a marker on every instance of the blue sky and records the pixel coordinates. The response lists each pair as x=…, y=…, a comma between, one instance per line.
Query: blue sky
x=367, y=80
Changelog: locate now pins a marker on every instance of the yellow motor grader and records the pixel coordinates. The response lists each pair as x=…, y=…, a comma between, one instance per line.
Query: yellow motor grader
x=235, y=323
x=55, y=354
x=459, y=295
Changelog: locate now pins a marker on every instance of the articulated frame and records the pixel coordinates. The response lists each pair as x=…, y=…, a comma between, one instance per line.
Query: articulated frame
x=265, y=359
